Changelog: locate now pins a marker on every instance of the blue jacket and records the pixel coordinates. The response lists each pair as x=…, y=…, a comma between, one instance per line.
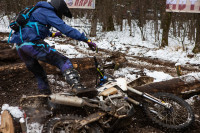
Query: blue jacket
x=45, y=15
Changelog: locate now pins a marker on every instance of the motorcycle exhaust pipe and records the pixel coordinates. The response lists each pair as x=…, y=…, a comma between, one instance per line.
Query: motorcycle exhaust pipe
x=69, y=100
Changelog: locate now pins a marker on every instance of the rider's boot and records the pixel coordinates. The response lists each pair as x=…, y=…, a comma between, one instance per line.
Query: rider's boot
x=43, y=86
x=73, y=79
x=45, y=91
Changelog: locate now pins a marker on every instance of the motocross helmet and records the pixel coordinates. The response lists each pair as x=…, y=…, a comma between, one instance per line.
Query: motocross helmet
x=61, y=8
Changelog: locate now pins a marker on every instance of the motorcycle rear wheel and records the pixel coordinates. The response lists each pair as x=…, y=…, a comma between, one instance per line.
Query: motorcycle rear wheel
x=179, y=117
x=64, y=124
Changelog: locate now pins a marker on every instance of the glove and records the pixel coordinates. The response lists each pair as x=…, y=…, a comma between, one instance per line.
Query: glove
x=57, y=34
x=92, y=45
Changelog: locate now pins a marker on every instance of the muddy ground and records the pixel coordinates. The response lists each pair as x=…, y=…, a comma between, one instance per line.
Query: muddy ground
x=14, y=84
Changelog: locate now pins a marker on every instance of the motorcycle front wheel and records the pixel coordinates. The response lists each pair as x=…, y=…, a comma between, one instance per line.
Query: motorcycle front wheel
x=176, y=118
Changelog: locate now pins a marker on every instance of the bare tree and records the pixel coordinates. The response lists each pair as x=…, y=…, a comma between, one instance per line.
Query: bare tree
x=197, y=41
x=107, y=14
x=95, y=20
x=166, y=21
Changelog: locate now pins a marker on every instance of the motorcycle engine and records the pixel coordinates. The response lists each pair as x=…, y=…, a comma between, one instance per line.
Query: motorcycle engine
x=119, y=107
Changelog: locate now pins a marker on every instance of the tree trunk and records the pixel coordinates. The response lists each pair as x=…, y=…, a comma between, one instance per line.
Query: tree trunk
x=78, y=63
x=165, y=25
x=197, y=42
x=185, y=86
x=108, y=24
x=93, y=30
x=142, y=18
x=156, y=21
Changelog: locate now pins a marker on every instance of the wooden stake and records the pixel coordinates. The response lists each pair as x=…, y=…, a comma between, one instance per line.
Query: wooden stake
x=6, y=123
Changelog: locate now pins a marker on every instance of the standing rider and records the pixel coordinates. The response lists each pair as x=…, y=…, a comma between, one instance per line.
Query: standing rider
x=31, y=46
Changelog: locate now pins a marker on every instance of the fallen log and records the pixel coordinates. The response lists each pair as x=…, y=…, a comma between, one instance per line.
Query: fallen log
x=78, y=63
x=8, y=54
x=185, y=86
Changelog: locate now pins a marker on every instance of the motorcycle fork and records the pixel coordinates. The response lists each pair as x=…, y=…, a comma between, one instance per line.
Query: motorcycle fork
x=146, y=96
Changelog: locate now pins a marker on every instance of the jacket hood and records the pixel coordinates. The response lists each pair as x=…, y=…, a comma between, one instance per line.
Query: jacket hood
x=45, y=5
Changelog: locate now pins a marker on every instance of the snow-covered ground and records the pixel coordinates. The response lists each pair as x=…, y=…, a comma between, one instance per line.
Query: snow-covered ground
x=134, y=46
x=123, y=42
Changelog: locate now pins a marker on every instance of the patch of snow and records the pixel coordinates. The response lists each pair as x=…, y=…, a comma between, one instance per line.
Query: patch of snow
x=21, y=120
x=178, y=64
x=158, y=76
x=191, y=100
x=126, y=73
x=4, y=23
x=34, y=128
x=14, y=111
x=191, y=77
x=187, y=92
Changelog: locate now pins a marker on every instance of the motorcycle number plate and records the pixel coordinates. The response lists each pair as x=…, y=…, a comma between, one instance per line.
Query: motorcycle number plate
x=122, y=83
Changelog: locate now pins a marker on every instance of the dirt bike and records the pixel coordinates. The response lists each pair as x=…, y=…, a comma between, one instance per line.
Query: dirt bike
x=113, y=108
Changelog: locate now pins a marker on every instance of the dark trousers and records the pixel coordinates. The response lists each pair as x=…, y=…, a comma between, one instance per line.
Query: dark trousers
x=31, y=52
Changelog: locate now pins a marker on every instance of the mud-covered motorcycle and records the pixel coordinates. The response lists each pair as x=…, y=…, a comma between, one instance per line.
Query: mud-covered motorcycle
x=112, y=108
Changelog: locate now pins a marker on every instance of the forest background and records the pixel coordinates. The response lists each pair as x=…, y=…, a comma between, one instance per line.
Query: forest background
x=109, y=13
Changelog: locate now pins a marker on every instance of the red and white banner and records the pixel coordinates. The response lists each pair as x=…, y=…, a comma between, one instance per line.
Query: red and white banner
x=85, y=4
x=190, y=6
